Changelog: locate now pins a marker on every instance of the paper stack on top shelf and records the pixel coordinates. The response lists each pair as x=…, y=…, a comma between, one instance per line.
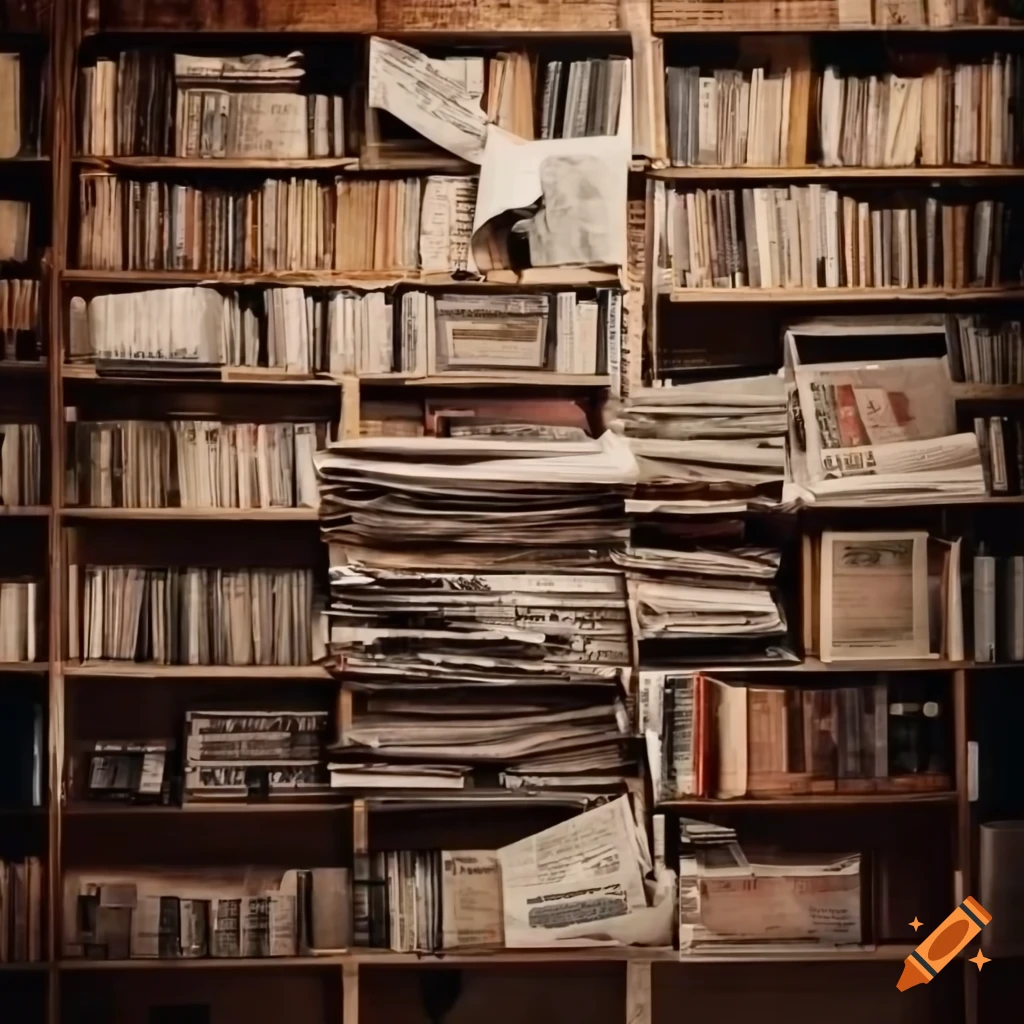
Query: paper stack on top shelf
x=699, y=570
x=457, y=651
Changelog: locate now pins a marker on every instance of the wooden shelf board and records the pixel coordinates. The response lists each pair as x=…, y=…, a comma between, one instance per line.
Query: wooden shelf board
x=254, y=515
x=184, y=163
x=22, y=968
x=970, y=173
x=536, y=378
x=885, y=665
x=25, y=511
x=715, y=296
x=797, y=28
x=978, y=501
x=245, y=376
x=17, y=367
x=136, y=670
x=816, y=801
x=13, y=668
x=23, y=161
x=502, y=957
x=537, y=277
x=998, y=392
x=83, y=809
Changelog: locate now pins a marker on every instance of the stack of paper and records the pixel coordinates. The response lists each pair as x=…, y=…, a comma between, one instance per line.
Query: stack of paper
x=706, y=441
x=471, y=503
x=869, y=431
x=461, y=636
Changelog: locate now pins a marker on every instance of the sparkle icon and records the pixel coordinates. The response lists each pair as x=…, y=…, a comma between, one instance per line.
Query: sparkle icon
x=980, y=960
x=915, y=924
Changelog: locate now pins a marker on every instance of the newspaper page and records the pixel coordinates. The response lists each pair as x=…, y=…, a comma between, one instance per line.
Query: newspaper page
x=874, y=595
x=446, y=225
x=573, y=879
x=816, y=900
x=408, y=85
x=581, y=186
x=471, y=899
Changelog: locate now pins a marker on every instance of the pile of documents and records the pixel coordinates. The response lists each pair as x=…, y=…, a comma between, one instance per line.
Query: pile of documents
x=875, y=431
x=708, y=453
x=733, y=901
x=711, y=440
x=475, y=504
x=470, y=620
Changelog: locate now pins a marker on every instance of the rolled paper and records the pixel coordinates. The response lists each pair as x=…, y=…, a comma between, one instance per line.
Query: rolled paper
x=943, y=944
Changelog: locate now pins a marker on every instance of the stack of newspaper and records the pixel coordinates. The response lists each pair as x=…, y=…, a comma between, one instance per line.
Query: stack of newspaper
x=469, y=503
x=720, y=440
x=453, y=650
x=699, y=567
x=875, y=431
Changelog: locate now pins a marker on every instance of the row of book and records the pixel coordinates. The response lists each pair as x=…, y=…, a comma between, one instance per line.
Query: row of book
x=306, y=331
x=147, y=103
x=190, y=464
x=283, y=224
x=19, y=320
x=1001, y=441
x=255, y=755
x=22, y=618
x=985, y=350
x=193, y=914
x=814, y=237
x=965, y=114
x=20, y=464
x=10, y=105
x=22, y=884
x=727, y=740
x=998, y=607
x=15, y=237
x=192, y=616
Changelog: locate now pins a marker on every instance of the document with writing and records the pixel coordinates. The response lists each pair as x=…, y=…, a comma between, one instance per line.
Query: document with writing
x=569, y=881
x=407, y=84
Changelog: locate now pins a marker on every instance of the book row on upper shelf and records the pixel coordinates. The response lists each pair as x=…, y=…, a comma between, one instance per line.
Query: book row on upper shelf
x=816, y=237
x=762, y=117
x=345, y=332
x=22, y=98
x=145, y=102
x=416, y=225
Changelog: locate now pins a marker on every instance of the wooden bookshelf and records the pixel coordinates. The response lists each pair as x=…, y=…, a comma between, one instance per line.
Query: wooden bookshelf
x=65, y=31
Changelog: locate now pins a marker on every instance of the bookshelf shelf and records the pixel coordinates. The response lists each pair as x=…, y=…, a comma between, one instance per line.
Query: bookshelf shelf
x=924, y=174
x=510, y=957
x=664, y=27
x=995, y=392
x=538, y=378
x=180, y=163
x=25, y=511
x=15, y=668
x=823, y=801
x=535, y=278
x=251, y=515
x=19, y=367
x=246, y=376
x=799, y=296
x=142, y=812
x=245, y=673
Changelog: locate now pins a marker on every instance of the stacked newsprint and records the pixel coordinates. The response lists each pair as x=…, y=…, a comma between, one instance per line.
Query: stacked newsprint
x=700, y=566
x=475, y=618
x=865, y=429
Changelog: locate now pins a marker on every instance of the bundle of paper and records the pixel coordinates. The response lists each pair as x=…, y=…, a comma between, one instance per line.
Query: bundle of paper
x=709, y=441
x=473, y=502
x=872, y=431
x=734, y=901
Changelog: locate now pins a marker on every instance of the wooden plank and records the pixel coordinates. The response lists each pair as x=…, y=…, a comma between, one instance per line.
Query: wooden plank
x=837, y=295
x=244, y=673
x=497, y=15
x=253, y=515
x=639, y=1006
x=805, y=173
x=185, y=163
x=234, y=16
x=350, y=993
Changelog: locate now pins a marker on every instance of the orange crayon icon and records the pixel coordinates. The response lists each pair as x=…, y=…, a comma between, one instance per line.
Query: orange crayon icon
x=943, y=944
